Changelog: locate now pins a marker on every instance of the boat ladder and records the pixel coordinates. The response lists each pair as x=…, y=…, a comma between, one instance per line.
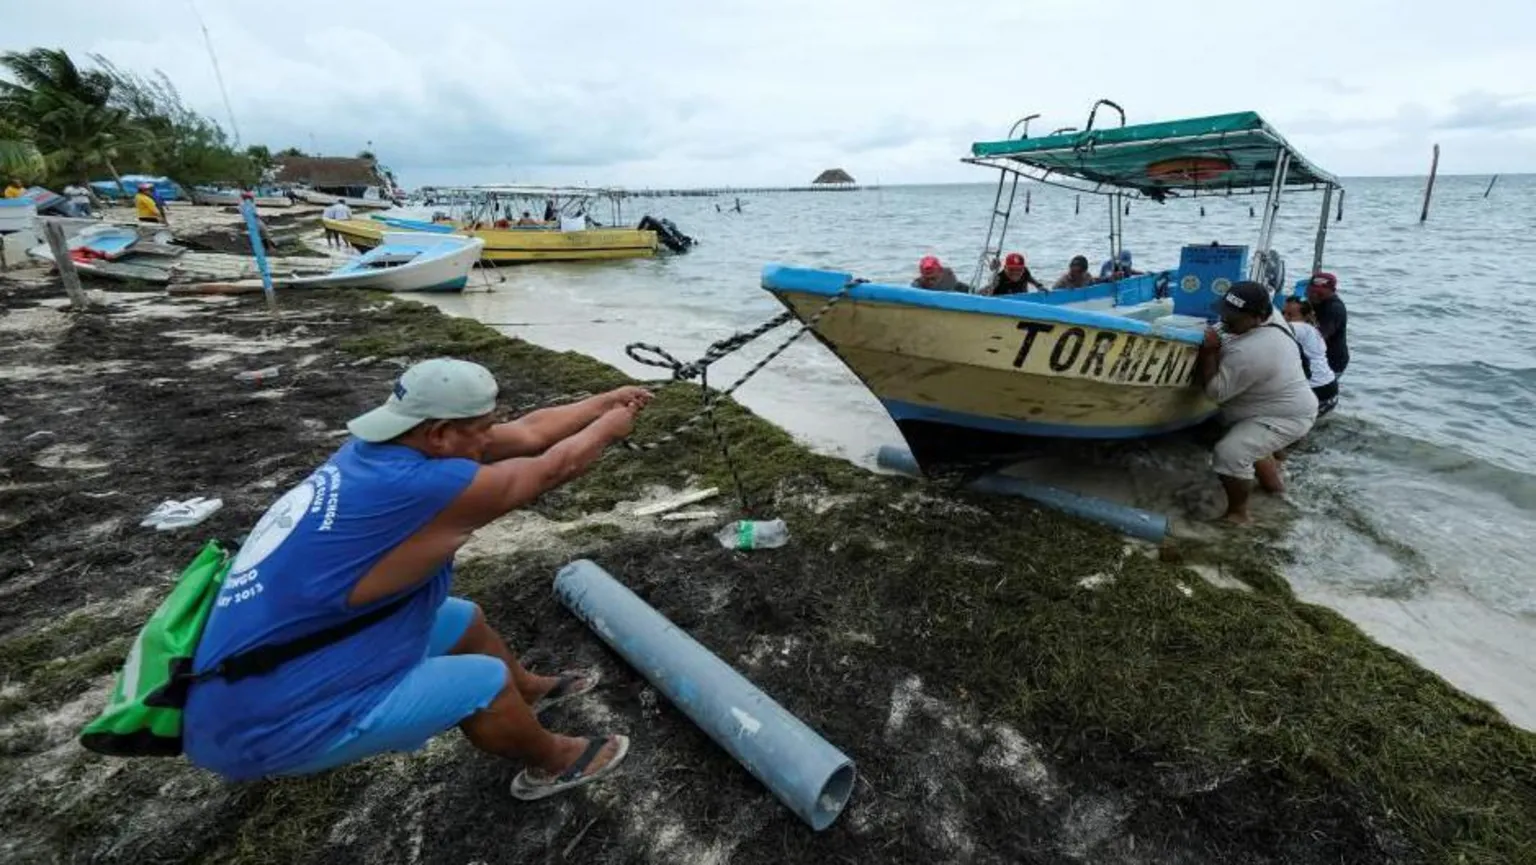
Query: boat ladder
x=992, y=250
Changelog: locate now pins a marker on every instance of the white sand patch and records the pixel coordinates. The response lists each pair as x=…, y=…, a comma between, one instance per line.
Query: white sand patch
x=62, y=373
x=771, y=650
x=68, y=456
x=1213, y=575
x=1019, y=758
x=1095, y=581
x=525, y=531
x=40, y=322
x=210, y=359
x=231, y=344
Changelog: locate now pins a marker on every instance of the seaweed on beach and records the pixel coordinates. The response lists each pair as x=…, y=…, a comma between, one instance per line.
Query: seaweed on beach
x=1014, y=685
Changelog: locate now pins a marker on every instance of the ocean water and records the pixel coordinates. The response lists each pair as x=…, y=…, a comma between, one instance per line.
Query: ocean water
x=1413, y=508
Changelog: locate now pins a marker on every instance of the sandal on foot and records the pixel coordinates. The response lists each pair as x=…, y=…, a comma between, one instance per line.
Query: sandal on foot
x=567, y=686
x=531, y=784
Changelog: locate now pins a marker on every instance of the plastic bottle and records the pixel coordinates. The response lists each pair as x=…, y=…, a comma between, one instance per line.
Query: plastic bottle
x=258, y=377
x=754, y=535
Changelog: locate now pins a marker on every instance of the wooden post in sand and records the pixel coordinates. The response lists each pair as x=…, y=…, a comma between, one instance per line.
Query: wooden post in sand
x=66, y=265
x=1434, y=165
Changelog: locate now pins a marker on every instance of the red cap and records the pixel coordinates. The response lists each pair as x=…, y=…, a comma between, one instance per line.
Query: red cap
x=1014, y=259
x=1325, y=278
x=929, y=264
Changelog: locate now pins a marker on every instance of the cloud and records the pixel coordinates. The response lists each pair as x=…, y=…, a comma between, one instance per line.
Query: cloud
x=757, y=92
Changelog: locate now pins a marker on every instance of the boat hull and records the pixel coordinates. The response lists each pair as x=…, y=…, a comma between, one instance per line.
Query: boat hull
x=513, y=246
x=962, y=375
x=447, y=272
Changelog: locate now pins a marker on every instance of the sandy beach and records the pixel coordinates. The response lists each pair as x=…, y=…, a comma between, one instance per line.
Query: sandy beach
x=1013, y=685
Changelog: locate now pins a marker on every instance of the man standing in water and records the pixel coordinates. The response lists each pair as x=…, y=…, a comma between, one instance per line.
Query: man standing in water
x=1255, y=374
x=1332, y=318
x=376, y=528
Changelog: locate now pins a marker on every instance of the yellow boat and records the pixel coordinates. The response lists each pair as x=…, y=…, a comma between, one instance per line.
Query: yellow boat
x=512, y=245
x=965, y=374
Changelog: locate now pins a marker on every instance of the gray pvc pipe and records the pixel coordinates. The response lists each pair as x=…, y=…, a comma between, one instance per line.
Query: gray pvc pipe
x=802, y=769
x=1123, y=518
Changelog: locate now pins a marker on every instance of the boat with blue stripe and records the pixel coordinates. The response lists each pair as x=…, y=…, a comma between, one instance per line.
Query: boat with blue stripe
x=964, y=373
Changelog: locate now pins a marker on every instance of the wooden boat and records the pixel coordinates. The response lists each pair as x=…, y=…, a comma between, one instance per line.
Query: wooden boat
x=372, y=198
x=231, y=197
x=405, y=261
x=966, y=374
x=514, y=245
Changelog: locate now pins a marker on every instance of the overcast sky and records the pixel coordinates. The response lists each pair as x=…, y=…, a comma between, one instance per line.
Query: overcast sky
x=675, y=93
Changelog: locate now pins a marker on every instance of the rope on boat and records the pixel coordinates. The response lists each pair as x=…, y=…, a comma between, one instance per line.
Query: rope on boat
x=655, y=355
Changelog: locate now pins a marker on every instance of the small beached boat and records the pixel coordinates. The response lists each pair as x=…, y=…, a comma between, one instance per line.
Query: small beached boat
x=231, y=197
x=511, y=245
x=964, y=374
x=372, y=198
x=404, y=261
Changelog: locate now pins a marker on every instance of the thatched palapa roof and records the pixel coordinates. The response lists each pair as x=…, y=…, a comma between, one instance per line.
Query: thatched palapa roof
x=834, y=175
x=320, y=171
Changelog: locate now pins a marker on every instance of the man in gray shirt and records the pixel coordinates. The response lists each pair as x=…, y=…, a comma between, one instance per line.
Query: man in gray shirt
x=1256, y=375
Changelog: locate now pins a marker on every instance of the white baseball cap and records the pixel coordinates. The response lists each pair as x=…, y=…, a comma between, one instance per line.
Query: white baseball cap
x=443, y=388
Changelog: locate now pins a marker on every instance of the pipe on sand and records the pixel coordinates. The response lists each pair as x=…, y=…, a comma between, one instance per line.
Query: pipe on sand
x=801, y=768
x=1128, y=520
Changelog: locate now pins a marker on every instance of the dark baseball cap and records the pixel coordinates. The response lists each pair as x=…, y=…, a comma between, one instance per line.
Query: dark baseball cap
x=1247, y=297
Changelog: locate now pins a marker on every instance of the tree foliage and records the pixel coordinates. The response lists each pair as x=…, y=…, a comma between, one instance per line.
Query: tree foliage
x=82, y=120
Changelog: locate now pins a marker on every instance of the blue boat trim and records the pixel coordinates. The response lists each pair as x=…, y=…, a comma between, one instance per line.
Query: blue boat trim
x=781, y=278
x=901, y=410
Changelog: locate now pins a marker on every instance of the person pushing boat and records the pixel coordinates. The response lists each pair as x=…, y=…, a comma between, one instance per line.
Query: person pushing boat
x=1255, y=374
x=934, y=276
x=1014, y=278
x=378, y=526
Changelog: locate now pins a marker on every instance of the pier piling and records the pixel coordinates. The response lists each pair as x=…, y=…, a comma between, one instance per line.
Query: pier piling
x=1429, y=188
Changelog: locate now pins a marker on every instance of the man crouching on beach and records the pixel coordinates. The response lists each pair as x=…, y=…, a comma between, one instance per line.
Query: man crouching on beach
x=380, y=521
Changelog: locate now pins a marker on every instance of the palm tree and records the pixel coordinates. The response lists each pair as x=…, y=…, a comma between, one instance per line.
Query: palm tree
x=68, y=111
x=18, y=155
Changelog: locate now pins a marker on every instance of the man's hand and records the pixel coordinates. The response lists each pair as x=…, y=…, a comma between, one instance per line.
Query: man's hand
x=634, y=395
x=1212, y=339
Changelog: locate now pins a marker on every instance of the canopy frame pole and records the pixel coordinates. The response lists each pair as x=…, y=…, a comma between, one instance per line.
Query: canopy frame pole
x=1116, y=226
x=1322, y=231
x=1271, y=210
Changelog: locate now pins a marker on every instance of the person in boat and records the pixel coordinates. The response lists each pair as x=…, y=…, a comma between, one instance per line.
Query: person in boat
x=14, y=189
x=1332, y=318
x=1014, y=278
x=1255, y=374
x=1077, y=274
x=527, y=219
x=337, y=211
x=934, y=276
x=146, y=207
x=1118, y=267
x=1325, y=385
x=377, y=525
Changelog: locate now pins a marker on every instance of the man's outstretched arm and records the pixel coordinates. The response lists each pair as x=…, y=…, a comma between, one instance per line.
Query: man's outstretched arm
x=497, y=489
x=538, y=431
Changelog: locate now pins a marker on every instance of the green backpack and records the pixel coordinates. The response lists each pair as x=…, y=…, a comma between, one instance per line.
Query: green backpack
x=144, y=716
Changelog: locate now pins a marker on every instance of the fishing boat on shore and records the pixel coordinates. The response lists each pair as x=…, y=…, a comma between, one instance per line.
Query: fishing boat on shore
x=965, y=374
x=372, y=198
x=512, y=244
x=404, y=261
x=231, y=197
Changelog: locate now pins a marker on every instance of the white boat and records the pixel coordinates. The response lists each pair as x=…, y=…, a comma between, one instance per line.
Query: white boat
x=229, y=197
x=372, y=198
x=405, y=261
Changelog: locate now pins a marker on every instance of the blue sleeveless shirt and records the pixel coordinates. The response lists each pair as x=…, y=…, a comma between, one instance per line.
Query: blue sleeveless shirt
x=291, y=578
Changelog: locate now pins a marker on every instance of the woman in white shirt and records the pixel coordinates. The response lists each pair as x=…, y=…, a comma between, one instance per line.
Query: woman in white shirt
x=1325, y=386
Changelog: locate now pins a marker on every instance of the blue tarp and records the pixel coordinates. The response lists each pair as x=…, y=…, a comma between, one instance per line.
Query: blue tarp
x=164, y=186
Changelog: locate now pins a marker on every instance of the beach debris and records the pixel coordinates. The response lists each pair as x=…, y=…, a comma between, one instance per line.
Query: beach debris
x=684, y=500
x=682, y=516
x=173, y=514
x=753, y=535
x=258, y=377
x=39, y=434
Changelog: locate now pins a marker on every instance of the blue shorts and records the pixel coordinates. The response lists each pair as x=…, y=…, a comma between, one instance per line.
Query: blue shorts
x=436, y=694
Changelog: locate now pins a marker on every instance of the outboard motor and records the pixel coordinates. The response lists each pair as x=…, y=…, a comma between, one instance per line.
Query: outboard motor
x=667, y=232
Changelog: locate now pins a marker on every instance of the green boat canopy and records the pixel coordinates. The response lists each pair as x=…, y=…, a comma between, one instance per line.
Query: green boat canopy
x=1221, y=154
